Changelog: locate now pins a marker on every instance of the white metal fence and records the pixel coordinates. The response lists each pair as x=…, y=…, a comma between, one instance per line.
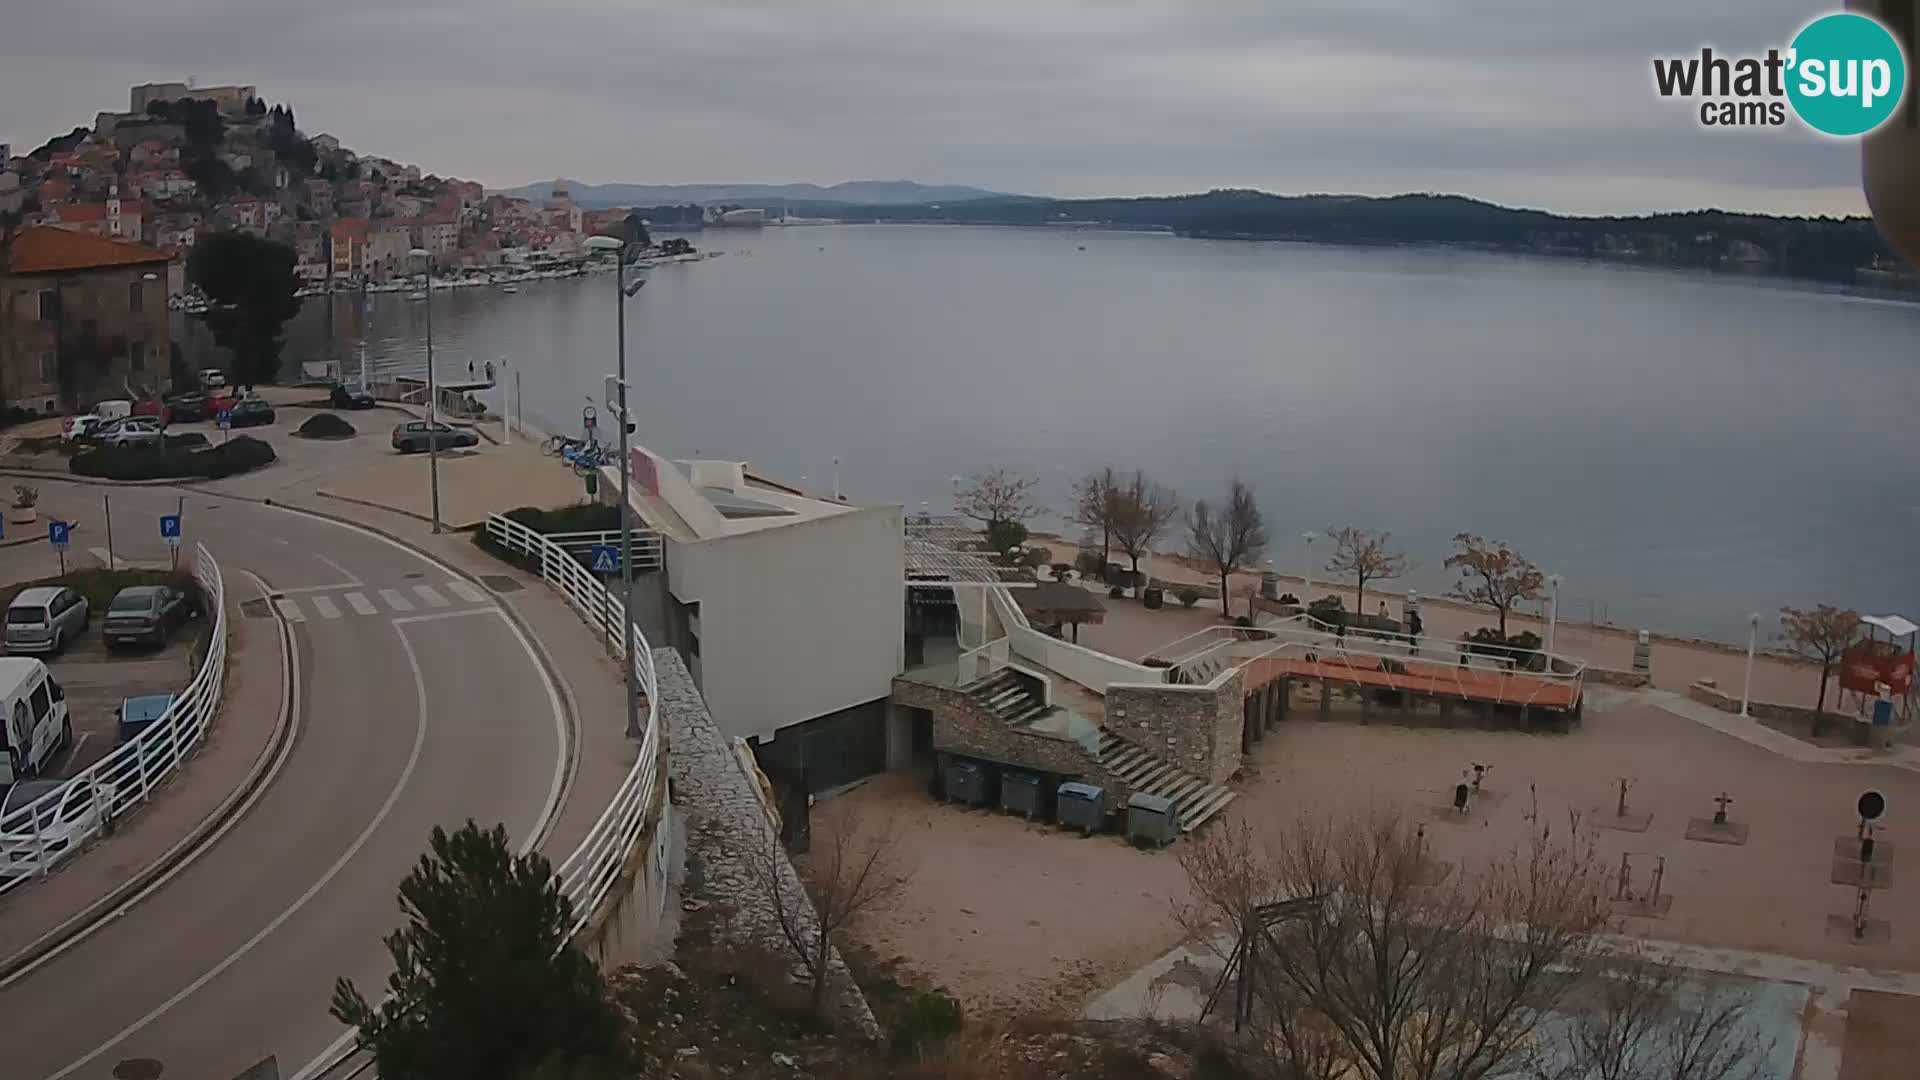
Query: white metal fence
x=589, y=873
x=646, y=545
x=35, y=837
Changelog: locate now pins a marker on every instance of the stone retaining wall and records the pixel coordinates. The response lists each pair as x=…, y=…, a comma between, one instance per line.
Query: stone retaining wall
x=728, y=827
x=1195, y=727
x=1706, y=694
x=1634, y=679
x=962, y=725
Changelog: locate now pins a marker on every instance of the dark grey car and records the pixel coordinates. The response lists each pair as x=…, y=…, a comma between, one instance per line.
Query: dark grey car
x=416, y=435
x=144, y=614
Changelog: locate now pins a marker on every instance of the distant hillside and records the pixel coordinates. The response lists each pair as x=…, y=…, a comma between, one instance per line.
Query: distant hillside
x=1847, y=250
x=863, y=192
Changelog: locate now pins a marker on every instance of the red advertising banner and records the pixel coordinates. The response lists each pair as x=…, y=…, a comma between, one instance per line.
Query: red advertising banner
x=1870, y=663
x=644, y=476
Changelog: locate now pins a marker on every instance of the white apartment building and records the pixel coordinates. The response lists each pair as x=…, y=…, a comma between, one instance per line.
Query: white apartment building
x=787, y=606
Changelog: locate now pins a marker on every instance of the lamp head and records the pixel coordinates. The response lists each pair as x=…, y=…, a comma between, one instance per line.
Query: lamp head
x=604, y=243
x=421, y=253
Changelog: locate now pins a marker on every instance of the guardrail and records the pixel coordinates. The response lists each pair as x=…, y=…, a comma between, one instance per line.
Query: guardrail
x=37, y=836
x=589, y=873
x=647, y=550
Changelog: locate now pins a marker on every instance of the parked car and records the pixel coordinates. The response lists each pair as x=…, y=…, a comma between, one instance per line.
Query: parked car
x=137, y=714
x=102, y=413
x=153, y=407
x=346, y=398
x=212, y=377
x=417, y=435
x=145, y=431
x=45, y=618
x=186, y=408
x=59, y=825
x=34, y=725
x=144, y=613
x=248, y=412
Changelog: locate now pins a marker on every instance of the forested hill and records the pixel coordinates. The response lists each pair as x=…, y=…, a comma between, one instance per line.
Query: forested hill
x=1845, y=250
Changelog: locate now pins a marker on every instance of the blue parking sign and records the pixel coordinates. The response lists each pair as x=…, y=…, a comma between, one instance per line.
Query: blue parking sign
x=605, y=559
x=57, y=533
x=224, y=418
x=170, y=529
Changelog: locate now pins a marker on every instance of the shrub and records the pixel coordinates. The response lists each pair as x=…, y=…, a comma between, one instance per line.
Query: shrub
x=1288, y=598
x=1060, y=570
x=1330, y=610
x=1036, y=557
x=242, y=454
x=1004, y=536
x=186, y=440
x=924, y=1019
x=579, y=517
x=25, y=495
x=99, y=585
x=1189, y=596
x=1521, y=648
x=325, y=426
x=1088, y=563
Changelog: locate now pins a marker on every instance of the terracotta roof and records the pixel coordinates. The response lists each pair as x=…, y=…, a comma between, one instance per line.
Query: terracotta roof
x=44, y=249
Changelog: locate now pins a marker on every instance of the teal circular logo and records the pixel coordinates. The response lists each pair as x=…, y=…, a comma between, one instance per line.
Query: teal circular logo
x=1846, y=74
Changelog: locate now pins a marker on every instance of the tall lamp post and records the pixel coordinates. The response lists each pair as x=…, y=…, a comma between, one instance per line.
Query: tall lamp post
x=1553, y=613
x=621, y=293
x=1306, y=570
x=433, y=392
x=1753, y=640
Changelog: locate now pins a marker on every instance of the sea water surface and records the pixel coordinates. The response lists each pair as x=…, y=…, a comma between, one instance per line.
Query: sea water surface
x=1682, y=448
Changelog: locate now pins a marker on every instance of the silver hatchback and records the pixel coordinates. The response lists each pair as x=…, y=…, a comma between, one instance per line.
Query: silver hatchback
x=45, y=619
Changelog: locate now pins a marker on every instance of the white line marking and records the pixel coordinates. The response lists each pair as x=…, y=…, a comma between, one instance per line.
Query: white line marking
x=73, y=754
x=289, y=610
x=304, y=589
x=344, y=572
x=441, y=615
x=466, y=592
x=393, y=797
x=325, y=606
x=395, y=600
x=432, y=597
x=360, y=604
x=291, y=704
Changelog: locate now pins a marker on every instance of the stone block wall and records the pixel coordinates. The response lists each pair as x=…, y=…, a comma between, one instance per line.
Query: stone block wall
x=1709, y=695
x=1611, y=677
x=962, y=725
x=1195, y=727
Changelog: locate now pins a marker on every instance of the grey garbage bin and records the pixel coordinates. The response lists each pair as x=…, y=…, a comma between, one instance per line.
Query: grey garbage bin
x=1152, y=819
x=1020, y=794
x=1081, y=806
x=967, y=783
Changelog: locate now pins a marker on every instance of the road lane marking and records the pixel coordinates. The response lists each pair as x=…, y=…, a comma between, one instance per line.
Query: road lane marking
x=289, y=610
x=466, y=592
x=393, y=798
x=325, y=606
x=395, y=600
x=430, y=595
x=336, y=587
x=360, y=604
x=344, y=572
x=290, y=716
x=439, y=616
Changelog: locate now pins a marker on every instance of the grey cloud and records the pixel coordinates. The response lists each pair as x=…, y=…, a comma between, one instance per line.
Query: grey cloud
x=1067, y=96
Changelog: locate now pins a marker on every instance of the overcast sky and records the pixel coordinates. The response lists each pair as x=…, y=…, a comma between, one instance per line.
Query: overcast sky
x=1532, y=103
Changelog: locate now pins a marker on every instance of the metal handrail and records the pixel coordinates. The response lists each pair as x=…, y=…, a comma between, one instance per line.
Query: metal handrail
x=647, y=545
x=126, y=777
x=590, y=872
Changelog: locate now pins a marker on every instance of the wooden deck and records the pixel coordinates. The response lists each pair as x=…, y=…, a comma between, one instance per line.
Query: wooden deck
x=1437, y=680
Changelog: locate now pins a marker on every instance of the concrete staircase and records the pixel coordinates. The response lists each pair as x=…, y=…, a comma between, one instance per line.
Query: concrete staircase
x=1147, y=773
x=1199, y=672
x=1008, y=698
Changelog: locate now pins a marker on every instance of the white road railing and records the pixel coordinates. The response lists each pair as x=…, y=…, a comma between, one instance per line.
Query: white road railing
x=35, y=837
x=590, y=872
x=647, y=552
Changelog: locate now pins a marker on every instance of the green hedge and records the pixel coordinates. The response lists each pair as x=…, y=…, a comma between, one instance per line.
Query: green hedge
x=99, y=585
x=581, y=517
x=325, y=426
x=241, y=454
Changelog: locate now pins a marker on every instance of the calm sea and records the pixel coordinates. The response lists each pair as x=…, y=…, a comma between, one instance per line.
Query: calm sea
x=1682, y=448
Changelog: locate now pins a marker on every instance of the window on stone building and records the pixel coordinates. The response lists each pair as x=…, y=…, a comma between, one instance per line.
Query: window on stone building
x=49, y=305
x=133, y=297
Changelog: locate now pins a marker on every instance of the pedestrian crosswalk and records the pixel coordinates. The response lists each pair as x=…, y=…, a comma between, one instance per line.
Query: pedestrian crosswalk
x=327, y=606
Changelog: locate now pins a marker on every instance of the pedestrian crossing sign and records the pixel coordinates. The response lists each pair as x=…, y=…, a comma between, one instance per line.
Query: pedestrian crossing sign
x=605, y=559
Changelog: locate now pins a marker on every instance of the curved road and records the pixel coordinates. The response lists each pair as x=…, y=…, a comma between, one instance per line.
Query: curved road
x=418, y=704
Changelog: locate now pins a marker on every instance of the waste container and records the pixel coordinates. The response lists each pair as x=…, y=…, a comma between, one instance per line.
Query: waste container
x=967, y=782
x=1152, y=819
x=1081, y=806
x=1020, y=794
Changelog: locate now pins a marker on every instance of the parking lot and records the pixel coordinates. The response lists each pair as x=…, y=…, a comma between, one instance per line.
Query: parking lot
x=97, y=680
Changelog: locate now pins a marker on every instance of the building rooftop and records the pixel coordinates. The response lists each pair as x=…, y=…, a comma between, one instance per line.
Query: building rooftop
x=45, y=249
x=694, y=500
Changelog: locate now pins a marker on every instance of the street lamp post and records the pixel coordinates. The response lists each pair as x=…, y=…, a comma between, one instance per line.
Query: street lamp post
x=1553, y=613
x=433, y=393
x=1753, y=640
x=620, y=295
x=1306, y=570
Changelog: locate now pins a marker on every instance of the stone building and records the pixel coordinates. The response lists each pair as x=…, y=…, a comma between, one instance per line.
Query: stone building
x=82, y=318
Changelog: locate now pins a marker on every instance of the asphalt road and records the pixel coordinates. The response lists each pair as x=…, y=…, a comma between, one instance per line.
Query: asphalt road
x=418, y=705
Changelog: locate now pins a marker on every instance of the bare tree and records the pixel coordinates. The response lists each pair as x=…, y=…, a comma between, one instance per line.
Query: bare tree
x=996, y=497
x=1229, y=537
x=1142, y=510
x=855, y=871
x=1093, y=507
x=1389, y=976
x=1640, y=1016
x=1824, y=634
x=1493, y=575
x=1365, y=555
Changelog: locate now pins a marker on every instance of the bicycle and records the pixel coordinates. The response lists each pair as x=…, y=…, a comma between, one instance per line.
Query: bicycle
x=561, y=445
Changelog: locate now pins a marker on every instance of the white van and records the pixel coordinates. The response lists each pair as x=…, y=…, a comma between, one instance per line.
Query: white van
x=34, y=725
